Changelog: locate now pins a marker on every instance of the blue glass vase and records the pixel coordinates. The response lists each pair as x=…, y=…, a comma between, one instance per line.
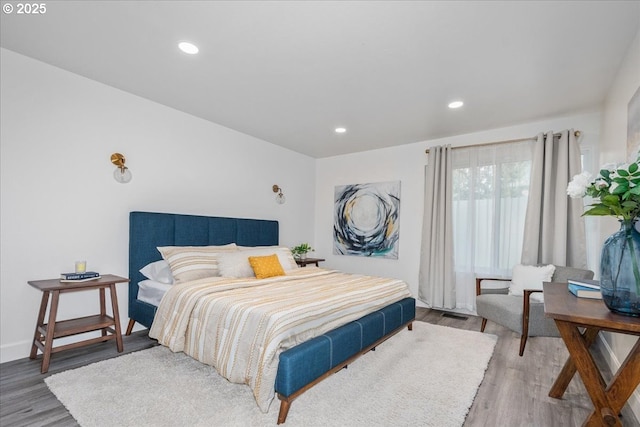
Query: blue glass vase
x=620, y=272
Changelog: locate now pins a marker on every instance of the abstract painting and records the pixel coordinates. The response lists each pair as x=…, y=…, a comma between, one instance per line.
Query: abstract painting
x=367, y=219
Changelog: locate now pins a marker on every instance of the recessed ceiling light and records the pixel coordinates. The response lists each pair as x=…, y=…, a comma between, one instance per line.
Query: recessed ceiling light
x=456, y=104
x=341, y=130
x=189, y=48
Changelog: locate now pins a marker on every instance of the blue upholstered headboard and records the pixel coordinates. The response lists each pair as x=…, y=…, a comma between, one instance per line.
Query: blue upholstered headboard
x=148, y=230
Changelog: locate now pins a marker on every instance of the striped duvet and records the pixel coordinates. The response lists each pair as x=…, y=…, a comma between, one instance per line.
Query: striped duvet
x=240, y=326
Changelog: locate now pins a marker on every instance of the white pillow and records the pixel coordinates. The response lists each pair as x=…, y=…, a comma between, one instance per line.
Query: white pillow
x=236, y=264
x=530, y=277
x=285, y=256
x=158, y=271
x=194, y=262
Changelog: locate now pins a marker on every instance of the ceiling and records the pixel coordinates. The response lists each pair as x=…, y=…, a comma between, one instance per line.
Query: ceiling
x=290, y=72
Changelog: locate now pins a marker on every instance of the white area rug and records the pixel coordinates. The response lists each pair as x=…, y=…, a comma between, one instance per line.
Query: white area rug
x=425, y=377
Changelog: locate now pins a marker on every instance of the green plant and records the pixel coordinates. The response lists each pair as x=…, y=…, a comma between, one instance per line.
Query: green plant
x=302, y=248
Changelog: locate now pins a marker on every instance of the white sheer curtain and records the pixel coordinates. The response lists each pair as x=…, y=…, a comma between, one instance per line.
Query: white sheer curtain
x=490, y=190
x=437, y=287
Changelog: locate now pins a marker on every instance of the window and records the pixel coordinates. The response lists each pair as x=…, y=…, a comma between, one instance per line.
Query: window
x=490, y=191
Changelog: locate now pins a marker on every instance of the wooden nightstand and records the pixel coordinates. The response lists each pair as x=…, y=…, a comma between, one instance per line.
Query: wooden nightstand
x=307, y=261
x=46, y=332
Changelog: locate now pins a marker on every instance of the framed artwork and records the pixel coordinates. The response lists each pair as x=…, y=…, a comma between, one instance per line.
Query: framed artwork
x=633, y=127
x=367, y=219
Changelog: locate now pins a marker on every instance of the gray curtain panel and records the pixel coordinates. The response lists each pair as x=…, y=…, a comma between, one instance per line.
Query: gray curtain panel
x=554, y=227
x=436, y=278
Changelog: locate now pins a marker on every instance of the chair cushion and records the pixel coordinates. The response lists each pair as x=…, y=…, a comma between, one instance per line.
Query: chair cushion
x=506, y=310
x=539, y=325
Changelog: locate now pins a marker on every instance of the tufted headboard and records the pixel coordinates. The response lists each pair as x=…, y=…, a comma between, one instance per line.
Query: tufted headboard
x=148, y=230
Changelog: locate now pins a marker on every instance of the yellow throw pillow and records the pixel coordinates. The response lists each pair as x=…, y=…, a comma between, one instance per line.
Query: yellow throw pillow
x=266, y=266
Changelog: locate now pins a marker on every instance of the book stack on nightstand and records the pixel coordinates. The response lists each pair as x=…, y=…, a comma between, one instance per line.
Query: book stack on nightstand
x=79, y=277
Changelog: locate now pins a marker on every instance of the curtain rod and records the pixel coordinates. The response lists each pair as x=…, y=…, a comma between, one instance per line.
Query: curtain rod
x=576, y=134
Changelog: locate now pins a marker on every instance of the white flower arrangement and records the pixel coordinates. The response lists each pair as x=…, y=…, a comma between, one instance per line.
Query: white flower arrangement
x=617, y=188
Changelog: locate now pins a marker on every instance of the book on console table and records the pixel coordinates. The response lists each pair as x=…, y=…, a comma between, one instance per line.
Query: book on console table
x=584, y=291
x=77, y=277
x=585, y=283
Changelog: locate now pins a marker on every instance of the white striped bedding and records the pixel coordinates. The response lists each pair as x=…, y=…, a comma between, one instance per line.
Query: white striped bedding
x=240, y=326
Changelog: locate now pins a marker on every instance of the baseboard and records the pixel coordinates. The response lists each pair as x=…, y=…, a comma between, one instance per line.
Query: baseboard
x=14, y=351
x=614, y=364
x=454, y=315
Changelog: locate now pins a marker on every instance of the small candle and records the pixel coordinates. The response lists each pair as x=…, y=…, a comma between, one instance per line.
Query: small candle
x=81, y=266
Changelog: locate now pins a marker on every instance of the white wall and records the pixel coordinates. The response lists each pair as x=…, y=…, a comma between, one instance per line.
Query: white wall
x=613, y=149
x=406, y=163
x=60, y=203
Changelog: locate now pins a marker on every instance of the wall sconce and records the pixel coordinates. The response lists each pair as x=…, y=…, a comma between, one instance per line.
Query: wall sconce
x=122, y=174
x=280, y=199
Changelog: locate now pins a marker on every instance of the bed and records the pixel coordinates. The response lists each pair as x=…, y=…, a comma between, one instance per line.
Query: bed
x=298, y=366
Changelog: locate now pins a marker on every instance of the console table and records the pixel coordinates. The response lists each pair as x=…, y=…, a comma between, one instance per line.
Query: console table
x=46, y=332
x=571, y=314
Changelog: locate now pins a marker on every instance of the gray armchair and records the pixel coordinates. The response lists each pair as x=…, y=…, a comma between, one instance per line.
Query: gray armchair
x=518, y=313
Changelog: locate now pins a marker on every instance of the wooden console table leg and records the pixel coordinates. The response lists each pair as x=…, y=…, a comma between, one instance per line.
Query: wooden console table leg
x=116, y=316
x=37, y=336
x=569, y=369
x=623, y=385
x=51, y=326
x=591, y=377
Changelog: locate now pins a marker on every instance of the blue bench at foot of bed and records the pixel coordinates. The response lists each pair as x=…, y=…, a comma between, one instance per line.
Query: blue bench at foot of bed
x=308, y=363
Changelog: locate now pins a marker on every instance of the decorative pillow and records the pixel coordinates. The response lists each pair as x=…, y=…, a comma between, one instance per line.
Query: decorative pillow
x=284, y=254
x=194, y=262
x=236, y=264
x=266, y=266
x=158, y=271
x=530, y=277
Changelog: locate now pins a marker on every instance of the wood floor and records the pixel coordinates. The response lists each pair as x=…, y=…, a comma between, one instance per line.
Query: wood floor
x=513, y=393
